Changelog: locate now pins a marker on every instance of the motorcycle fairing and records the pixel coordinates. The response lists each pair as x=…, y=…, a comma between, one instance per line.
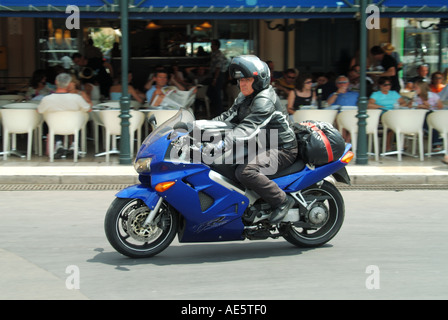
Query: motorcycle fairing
x=211, y=212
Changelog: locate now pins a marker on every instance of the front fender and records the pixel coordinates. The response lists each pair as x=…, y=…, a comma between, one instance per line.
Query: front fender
x=147, y=195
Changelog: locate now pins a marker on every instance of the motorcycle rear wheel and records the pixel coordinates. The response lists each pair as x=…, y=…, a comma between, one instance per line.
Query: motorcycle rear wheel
x=331, y=204
x=124, y=228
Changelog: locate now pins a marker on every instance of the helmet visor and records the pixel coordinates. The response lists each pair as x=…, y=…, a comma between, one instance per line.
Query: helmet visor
x=239, y=71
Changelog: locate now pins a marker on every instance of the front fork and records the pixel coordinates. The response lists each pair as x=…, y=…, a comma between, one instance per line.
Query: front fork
x=153, y=213
x=150, y=197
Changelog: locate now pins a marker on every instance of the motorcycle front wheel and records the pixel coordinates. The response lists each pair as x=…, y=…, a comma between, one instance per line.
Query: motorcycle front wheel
x=322, y=222
x=125, y=230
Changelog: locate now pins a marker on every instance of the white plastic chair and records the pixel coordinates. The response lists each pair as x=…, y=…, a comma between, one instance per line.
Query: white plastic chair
x=438, y=120
x=66, y=123
x=316, y=114
x=348, y=120
x=97, y=123
x=112, y=125
x=20, y=121
x=404, y=122
x=38, y=137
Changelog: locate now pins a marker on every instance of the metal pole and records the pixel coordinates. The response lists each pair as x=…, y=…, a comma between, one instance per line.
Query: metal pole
x=125, y=101
x=361, y=149
x=286, y=45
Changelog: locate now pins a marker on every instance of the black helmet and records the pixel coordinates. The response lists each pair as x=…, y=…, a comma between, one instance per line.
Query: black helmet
x=250, y=66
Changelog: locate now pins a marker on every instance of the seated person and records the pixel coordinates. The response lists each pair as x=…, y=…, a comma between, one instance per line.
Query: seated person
x=437, y=84
x=75, y=87
x=157, y=92
x=422, y=74
x=325, y=85
x=302, y=95
x=38, y=86
x=343, y=96
x=286, y=83
x=257, y=107
x=408, y=91
x=63, y=100
x=354, y=76
x=424, y=98
x=115, y=91
x=385, y=99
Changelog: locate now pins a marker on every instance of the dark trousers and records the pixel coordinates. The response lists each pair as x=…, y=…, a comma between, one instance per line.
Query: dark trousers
x=253, y=175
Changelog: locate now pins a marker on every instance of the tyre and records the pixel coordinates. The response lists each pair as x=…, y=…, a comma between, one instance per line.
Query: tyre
x=321, y=222
x=124, y=228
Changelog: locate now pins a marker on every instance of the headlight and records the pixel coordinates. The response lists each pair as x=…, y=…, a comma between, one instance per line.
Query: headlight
x=143, y=165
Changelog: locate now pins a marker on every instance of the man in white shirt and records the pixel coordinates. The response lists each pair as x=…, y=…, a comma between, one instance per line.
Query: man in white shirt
x=62, y=100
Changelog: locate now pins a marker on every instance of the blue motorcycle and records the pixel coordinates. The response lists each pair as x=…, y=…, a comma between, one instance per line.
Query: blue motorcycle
x=199, y=202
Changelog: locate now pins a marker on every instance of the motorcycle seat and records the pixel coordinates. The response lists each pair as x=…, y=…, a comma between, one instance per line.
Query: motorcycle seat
x=297, y=166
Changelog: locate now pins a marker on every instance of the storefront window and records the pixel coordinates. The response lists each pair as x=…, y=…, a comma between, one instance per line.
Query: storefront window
x=192, y=38
x=236, y=37
x=420, y=45
x=104, y=39
x=55, y=43
x=444, y=48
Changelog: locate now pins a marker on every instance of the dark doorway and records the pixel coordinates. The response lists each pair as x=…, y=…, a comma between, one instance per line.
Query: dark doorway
x=326, y=45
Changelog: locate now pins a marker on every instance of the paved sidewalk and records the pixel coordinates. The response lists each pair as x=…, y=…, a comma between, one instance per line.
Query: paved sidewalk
x=387, y=171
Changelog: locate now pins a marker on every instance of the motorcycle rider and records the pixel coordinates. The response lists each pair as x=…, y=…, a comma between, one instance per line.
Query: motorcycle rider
x=258, y=107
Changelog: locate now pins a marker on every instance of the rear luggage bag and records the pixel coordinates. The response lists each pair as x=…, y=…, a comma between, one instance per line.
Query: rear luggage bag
x=319, y=142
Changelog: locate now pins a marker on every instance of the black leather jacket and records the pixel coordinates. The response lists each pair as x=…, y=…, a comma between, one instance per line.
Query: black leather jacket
x=259, y=111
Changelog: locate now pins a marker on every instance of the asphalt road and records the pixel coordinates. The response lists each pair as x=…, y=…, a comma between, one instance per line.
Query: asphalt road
x=391, y=246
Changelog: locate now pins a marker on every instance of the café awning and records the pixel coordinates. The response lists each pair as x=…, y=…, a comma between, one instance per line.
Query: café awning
x=222, y=9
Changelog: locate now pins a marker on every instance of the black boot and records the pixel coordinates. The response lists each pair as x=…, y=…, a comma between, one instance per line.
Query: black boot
x=281, y=211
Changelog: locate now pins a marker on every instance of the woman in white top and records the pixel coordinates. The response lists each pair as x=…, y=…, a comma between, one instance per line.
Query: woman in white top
x=424, y=98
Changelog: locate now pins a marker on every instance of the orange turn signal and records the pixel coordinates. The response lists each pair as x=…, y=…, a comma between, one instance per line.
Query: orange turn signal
x=163, y=186
x=348, y=157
